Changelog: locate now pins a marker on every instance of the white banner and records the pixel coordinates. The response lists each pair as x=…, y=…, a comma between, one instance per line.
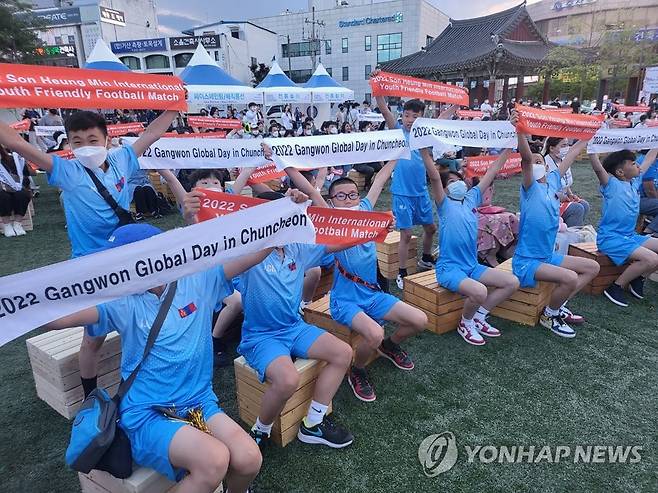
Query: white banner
x=193, y=153
x=426, y=132
x=371, y=117
x=616, y=139
x=42, y=131
x=31, y=299
x=214, y=95
x=650, y=84
x=319, y=151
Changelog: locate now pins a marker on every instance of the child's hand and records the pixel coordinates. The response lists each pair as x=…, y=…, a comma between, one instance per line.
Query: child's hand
x=297, y=196
x=267, y=151
x=514, y=118
x=192, y=205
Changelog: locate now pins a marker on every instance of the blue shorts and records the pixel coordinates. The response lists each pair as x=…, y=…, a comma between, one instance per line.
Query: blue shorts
x=376, y=306
x=525, y=267
x=261, y=349
x=620, y=248
x=451, y=277
x=151, y=433
x=412, y=211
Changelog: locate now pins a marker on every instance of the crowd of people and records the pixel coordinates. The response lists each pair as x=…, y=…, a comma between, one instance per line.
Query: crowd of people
x=272, y=287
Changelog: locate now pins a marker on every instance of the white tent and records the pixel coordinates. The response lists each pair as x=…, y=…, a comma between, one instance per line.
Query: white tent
x=279, y=89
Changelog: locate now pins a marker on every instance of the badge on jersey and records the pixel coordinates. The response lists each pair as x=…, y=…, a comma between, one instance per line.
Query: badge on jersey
x=292, y=265
x=120, y=184
x=187, y=310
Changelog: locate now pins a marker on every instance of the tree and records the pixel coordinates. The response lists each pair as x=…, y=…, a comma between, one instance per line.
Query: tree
x=259, y=72
x=18, y=38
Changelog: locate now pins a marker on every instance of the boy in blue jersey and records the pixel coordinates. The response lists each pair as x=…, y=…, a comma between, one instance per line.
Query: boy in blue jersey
x=89, y=218
x=176, y=375
x=535, y=258
x=620, y=178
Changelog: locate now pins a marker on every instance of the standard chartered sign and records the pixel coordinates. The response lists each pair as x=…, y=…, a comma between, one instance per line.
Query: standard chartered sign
x=397, y=17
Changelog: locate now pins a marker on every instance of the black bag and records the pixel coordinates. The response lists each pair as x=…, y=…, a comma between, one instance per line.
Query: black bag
x=125, y=217
x=97, y=442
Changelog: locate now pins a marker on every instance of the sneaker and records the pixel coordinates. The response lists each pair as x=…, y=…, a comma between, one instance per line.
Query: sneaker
x=425, y=265
x=18, y=229
x=470, y=334
x=138, y=216
x=485, y=328
x=361, y=386
x=615, y=293
x=400, y=282
x=262, y=439
x=557, y=325
x=8, y=230
x=571, y=318
x=221, y=359
x=326, y=433
x=636, y=286
x=303, y=304
x=396, y=354
x=157, y=215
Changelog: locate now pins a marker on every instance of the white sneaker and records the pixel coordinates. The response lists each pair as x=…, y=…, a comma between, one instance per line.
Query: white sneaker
x=557, y=325
x=8, y=230
x=400, y=282
x=303, y=305
x=470, y=334
x=18, y=229
x=485, y=328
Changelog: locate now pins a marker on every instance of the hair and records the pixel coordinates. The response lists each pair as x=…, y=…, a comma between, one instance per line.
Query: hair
x=270, y=195
x=445, y=176
x=615, y=160
x=202, y=174
x=85, y=120
x=471, y=151
x=289, y=133
x=415, y=105
x=362, y=126
x=344, y=126
x=551, y=142
x=341, y=181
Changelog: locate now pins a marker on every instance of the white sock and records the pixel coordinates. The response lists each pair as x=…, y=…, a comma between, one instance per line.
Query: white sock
x=263, y=428
x=316, y=412
x=468, y=322
x=483, y=312
x=550, y=312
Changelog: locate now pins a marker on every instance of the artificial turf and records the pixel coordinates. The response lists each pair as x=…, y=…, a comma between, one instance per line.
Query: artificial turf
x=528, y=387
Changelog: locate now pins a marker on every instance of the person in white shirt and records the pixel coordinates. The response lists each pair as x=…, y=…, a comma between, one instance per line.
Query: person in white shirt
x=251, y=116
x=286, y=118
x=353, y=115
x=341, y=115
x=486, y=108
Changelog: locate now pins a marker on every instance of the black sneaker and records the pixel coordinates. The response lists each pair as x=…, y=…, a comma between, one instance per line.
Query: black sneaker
x=326, y=433
x=261, y=439
x=398, y=356
x=361, y=386
x=615, y=293
x=138, y=216
x=222, y=359
x=637, y=287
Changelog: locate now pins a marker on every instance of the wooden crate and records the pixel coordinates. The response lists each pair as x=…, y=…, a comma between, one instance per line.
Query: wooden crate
x=442, y=307
x=388, y=257
x=319, y=314
x=250, y=396
x=609, y=271
x=54, y=360
x=526, y=304
x=142, y=480
x=326, y=281
x=358, y=178
x=161, y=187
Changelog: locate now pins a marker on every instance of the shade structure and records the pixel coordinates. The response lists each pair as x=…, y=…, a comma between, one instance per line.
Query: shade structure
x=324, y=89
x=208, y=84
x=102, y=58
x=277, y=88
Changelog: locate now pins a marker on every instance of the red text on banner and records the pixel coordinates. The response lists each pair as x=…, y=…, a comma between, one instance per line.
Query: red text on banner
x=551, y=124
x=264, y=174
x=479, y=165
x=389, y=84
x=124, y=128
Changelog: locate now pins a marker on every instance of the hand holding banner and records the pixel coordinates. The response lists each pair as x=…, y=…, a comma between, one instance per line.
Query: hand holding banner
x=534, y=121
x=22, y=126
x=479, y=165
x=264, y=174
x=426, y=132
x=389, y=84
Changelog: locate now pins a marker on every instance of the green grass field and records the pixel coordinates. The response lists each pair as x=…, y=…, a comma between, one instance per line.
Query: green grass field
x=528, y=387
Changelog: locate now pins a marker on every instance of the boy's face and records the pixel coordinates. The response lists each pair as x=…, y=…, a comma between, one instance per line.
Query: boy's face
x=408, y=118
x=630, y=169
x=345, y=196
x=89, y=137
x=211, y=182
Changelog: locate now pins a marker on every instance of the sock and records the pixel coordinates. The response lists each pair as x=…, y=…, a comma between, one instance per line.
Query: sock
x=482, y=312
x=402, y=272
x=89, y=384
x=316, y=412
x=427, y=257
x=551, y=312
x=468, y=322
x=259, y=426
x=218, y=345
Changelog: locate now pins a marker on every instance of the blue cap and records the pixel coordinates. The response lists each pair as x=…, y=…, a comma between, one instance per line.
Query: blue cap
x=130, y=233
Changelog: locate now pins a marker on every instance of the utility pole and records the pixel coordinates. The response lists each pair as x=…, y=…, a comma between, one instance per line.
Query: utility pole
x=289, y=63
x=313, y=39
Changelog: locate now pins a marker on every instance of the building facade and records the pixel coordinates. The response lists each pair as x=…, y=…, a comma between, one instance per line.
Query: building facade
x=351, y=37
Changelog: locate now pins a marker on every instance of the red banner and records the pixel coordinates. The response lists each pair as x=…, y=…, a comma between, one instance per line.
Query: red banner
x=619, y=123
x=22, y=126
x=41, y=86
x=332, y=226
x=555, y=109
x=264, y=174
x=209, y=122
x=124, y=128
x=204, y=135
x=651, y=123
x=478, y=165
x=470, y=114
x=631, y=109
x=388, y=84
x=550, y=124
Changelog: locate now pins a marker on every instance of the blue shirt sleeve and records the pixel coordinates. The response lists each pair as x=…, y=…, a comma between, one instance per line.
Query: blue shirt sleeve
x=64, y=174
x=218, y=287
x=474, y=197
x=651, y=174
x=365, y=205
x=309, y=255
x=125, y=159
x=110, y=317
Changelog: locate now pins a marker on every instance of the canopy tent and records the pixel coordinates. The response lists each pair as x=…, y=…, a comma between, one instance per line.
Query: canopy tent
x=208, y=84
x=102, y=58
x=279, y=89
x=324, y=89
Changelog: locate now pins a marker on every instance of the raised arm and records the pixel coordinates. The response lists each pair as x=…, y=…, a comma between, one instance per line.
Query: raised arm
x=14, y=142
x=304, y=186
x=174, y=185
x=433, y=173
x=600, y=172
x=154, y=131
x=649, y=159
x=447, y=113
x=572, y=155
x=380, y=180
x=524, y=150
x=88, y=316
x=490, y=175
x=242, y=179
x=238, y=266
x=390, y=120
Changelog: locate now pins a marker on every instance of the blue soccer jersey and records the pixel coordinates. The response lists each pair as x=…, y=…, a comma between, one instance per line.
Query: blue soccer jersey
x=409, y=178
x=458, y=231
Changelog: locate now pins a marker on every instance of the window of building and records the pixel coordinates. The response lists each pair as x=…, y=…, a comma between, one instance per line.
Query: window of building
x=327, y=47
x=389, y=47
x=368, y=71
x=428, y=40
x=346, y=73
x=71, y=39
x=299, y=76
x=132, y=62
x=305, y=48
x=344, y=45
x=156, y=62
x=216, y=55
x=182, y=59
x=368, y=43
x=367, y=97
x=254, y=61
x=235, y=33
x=58, y=40
x=328, y=69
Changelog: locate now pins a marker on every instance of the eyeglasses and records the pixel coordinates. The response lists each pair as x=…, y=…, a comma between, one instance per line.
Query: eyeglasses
x=345, y=196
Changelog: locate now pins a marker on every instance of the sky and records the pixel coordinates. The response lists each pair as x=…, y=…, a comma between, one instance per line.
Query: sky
x=173, y=18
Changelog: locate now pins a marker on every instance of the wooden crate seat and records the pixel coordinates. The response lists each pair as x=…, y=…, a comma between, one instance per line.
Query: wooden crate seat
x=609, y=271
x=388, y=257
x=142, y=480
x=326, y=281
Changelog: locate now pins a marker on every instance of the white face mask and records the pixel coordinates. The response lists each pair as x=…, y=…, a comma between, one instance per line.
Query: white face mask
x=333, y=130
x=307, y=132
x=538, y=171
x=282, y=133
x=91, y=157
x=563, y=152
x=457, y=190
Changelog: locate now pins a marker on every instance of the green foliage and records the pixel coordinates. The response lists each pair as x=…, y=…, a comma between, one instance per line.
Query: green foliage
x=18, y=38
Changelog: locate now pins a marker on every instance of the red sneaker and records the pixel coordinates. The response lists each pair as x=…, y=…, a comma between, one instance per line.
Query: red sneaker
x=571, y=318
x=485, y=328
x=361, y=386
x=470, y=335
